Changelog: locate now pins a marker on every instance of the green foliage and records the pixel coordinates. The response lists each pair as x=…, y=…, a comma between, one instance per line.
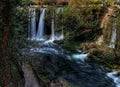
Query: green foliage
x=12, y=3
x=80, y=26
x=109, y=2
x=68, y=20
x=27, y=2
x=108, y=30
x=6, y=20
x=117, y=19
x=18, y=32
x=43, y=77
x=50, y=14
x=109, y=59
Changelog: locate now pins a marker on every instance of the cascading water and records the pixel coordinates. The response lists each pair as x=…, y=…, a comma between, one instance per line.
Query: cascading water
x=115, y=78
x=53, y=35
x=52, y=38
x=59, y=63
x=113, y=37
x=40, y=33
x=74, y=68
x=33, y=25
x=60, y=36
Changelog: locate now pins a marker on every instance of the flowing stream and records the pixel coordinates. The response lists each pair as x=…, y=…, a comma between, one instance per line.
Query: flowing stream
x=60, y=63
x=72, y=67
x=115, y=78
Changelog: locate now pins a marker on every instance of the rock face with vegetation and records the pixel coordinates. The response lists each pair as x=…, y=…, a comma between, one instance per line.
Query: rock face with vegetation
x=89, y=27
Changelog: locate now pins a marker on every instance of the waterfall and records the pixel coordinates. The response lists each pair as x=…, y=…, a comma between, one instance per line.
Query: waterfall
x=53, y=35
x=33, y=25
x=58, y=10
x=60, y=36
x=40, y=33
x=52, y=38
x=113, y=37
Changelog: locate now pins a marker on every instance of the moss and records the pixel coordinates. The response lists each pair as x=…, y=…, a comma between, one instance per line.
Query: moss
x=69, y=45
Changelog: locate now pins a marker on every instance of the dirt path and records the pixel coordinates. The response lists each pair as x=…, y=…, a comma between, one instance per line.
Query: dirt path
x=30, y=79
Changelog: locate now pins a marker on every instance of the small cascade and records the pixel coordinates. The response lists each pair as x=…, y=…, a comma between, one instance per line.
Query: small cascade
x=58, y=10
x=52, y=37
x=52, y=31
x=40, y=33
x=113, y=37
x=33, y=25
x=60, y=36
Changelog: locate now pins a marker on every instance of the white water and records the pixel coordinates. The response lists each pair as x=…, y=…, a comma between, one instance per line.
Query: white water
x=82, y=57
x=116, y=79
x=33, y=25
x=54, y=36
x=113, y=37
x=61, y=36
x=45, y=50
x=40, y=33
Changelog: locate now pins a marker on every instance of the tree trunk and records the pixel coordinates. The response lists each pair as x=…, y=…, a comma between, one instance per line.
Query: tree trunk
x=5, y=17
x=5, y=75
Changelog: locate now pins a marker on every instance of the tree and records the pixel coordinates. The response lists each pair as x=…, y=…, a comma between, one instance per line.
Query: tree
x=26, y=2
x=6, y=7
x=90, y=9
x=41, y=2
